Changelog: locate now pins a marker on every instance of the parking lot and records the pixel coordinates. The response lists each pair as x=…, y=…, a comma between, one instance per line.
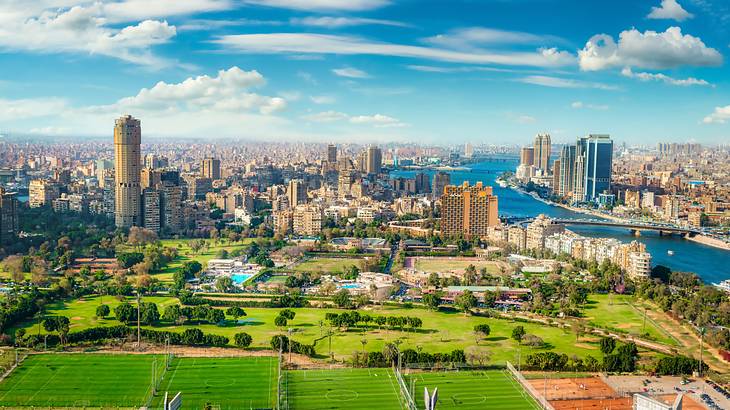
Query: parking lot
x=695, y=388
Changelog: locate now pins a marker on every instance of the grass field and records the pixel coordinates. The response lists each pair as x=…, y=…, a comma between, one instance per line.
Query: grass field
x=326, y=265
x=454, y=265
x=228, y=383
x=352, y=389
x=78, y=380
x=616, y=312
x=492, y=389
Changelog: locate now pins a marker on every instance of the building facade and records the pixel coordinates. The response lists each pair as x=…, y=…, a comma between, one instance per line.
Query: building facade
x=468, y=210
x=127, y=167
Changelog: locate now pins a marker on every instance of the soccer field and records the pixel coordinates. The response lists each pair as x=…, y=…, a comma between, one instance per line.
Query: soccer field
x=224, y=383
x=353, y=389
x=485, y=389
x=80, y=380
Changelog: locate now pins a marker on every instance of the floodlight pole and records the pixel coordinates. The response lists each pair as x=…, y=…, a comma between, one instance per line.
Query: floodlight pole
x=139, y=309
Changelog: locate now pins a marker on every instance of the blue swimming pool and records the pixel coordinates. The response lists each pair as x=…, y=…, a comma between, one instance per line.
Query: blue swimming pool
x=239, y=278
x=350, y=286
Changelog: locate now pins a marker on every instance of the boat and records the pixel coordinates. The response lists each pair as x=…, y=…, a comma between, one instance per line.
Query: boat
x=670, y=252
x=724, y=285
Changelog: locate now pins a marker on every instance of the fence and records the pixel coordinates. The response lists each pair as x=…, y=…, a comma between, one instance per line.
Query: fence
x=542, y=401
x=282, y=399
x=405, y=393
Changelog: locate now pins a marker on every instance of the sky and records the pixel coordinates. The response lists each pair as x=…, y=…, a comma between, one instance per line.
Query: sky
x=435, y=72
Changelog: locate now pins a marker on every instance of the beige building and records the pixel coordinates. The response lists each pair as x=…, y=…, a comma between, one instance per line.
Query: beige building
x=127, y=167
x=211, y=168
x=297, y=192
x=307, y=220
x=539, y=229
x=542, y=149
x=468, y=210
x=42, y=192
x=527, y=156
x=517, y=237
x=374, y=160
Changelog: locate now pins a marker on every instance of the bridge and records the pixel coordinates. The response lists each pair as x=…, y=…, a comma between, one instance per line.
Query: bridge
x=634, y=226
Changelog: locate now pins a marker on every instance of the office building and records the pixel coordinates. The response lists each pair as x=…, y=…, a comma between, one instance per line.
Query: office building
x=468, y=150
x=127, y=167
x=527, y=156
x=8, y=216
x=332, y=154
x=542, y=149
x=151, y=209
x=211, y=168
x=566, y=174
x=297, y=192
x=597, y=153
x=374, y=160
x=171, y=211
x=468, y=210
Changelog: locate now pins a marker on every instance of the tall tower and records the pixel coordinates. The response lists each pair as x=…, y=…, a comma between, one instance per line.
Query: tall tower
x=374, y=160
x=597, y=153
x=332, y=153
x=211, y=168
x=542, y=149
x=127, y=166
x=566, y=178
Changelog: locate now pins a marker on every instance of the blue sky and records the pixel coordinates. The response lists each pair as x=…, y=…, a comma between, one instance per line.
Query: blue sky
x=489, y=71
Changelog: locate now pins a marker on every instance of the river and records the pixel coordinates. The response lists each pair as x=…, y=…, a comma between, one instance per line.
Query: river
x=711, y=264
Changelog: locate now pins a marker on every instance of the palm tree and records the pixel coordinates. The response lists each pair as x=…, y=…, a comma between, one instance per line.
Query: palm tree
x=363, y=341
x=703, y=330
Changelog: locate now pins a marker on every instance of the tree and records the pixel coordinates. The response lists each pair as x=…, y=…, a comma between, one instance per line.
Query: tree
x=14, y=265
x=280, y=321
x=125, y=313
x=215, y=316
x=342, y=299
x=607, y=345
x=149, y=314
x=482, y=330
x=172, y=313
x=432, y=300
x=235, y=312
x=518, y=333
x=224, y=284
x=102, y=311
x=466, y=301
x=242, y=340
x=532, y=340
x=579, y=328
x=288, y=314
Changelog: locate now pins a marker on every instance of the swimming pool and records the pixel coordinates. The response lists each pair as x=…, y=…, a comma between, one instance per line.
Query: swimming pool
x=239, y=278
x=351, y=286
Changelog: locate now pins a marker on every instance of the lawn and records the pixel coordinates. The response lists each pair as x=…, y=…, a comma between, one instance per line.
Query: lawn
x=615, y=312
x=81, y=380
x=491, y=389
x=225, y=383
x=326, y=265
x=442, y=331
x=456, y=265
x=353, y=389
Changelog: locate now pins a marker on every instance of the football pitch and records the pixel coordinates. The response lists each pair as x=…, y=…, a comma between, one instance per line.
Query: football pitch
x=484, y=389
x=353, y=389
x=81, y=380
x=222, y=383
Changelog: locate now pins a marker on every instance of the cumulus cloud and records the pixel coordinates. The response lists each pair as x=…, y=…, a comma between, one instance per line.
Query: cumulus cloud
x=669, y=9
x=651, y=49
x=339, y=22
x=350, y=72
x=376, y=120
x=322, y=5
x=559, y=82
x=643, y=76
x=309, y=43
x=720, y=116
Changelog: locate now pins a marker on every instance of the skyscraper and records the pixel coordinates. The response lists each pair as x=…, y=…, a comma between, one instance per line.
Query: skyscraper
x=597, y=153
x=211, y=168
x=127, y=167
x=374, y=160
x=527, y=156
x=440, y=181
x=8, y=216
x=332, y=153
x=566, y=177
x=297, y=192
x=542, y=149
x=468, y=210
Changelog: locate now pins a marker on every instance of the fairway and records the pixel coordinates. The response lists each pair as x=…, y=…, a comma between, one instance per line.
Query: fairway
x=224, y=383
x=326, y=265
x=615, y=312
x=484, y=389
x=354, y=389
x=80, y=380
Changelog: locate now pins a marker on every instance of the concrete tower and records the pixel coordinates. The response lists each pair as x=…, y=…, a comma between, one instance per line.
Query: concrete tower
x=127, y=167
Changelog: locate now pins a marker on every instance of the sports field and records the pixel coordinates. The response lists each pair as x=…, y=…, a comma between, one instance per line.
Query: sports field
x=326, y=265
x=224, y=383
x=484, y=389
x=352, y=389
x=81, y=380
x=454, y=265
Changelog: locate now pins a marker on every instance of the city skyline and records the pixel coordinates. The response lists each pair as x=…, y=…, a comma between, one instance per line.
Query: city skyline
x=369, y=70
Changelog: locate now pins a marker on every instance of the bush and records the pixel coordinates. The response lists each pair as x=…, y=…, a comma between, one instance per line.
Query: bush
x=678, y=365
x=102, y=311
x=281, y=342
x=242, y=339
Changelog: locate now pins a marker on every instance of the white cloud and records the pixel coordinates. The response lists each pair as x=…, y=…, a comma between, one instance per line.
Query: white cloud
x=643, y=76
x=82, y=30
x=462, y=69
x=376, y=120
x=669, y=9
x=652, y=50
x=326, y=116
x=322, y=5
x=470, y=38
x=11, y=110
x=350, y=72
x=720, y=116
x=339, y=22
x=135, y=10
x=558, y=82
x=322, y=99
x=580, y=105
x=308, y=43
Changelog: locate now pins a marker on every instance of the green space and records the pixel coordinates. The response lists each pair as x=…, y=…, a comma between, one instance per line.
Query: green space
x=353, y=389
x=616, y=313
x=442, y=331
x=224, y=383
x=81, y=380
x=426, y=264
x=326, y=265
x=490, y=389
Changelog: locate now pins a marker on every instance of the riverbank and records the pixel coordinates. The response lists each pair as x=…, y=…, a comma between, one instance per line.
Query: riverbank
x=710, y=241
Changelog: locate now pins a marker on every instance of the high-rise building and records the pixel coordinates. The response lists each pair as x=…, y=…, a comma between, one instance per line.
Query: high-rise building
x=127, y=167
x=297, y=192
x=542, y=149
x=211, y=168
x=151, y=209
x=42, y=192
x=579, y=182
x=332, y=153
x=152, y=161
x=374, y=160
x=468, y=210
x=171, y=211
x=556, y=175
x=8, y=216
x=149, y=177
x=307, y=220
x=468, y=150
x=423, y=185
x=566, y=177
x=527, y=156
x=440, y=181
x=597, y=153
